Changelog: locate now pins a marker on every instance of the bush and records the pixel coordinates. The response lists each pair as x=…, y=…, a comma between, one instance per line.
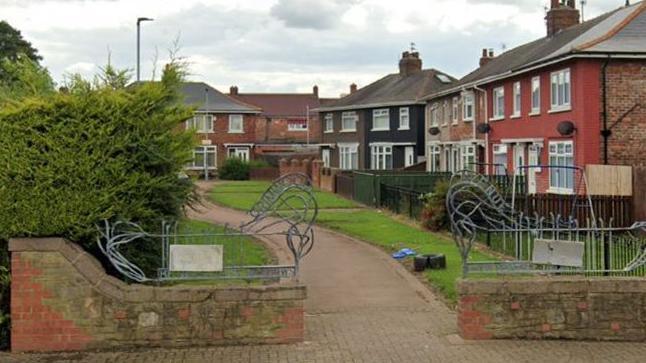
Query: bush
x=434, y=214
x=97, y=151
x=234, y=169
x=258, y=164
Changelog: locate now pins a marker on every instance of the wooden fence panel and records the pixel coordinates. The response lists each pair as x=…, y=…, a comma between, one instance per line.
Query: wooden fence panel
x=344, y=185
x=639, y=192
x=609, y=180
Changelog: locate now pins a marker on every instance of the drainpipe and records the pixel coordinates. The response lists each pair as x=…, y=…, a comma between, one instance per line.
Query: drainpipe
x=605, y=132
x=486, y=119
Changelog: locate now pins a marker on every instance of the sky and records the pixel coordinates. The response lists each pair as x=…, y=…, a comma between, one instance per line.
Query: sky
x=278, y=45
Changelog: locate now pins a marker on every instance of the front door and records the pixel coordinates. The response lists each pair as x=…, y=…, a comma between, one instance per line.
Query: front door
x=409, y=154
x=325, y=155
x=533, y=161
x=519, y=159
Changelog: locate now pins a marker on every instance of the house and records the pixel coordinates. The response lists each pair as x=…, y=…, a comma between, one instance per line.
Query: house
x=287, y=124
x=225, y=126
x=380, y=126
x=572, y=98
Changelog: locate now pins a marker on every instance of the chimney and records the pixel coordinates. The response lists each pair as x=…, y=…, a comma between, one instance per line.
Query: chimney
x=233, y=90
x=353, y=88
x=561, y=15
x=315, y=91
x=410, y=63
x=487, y=55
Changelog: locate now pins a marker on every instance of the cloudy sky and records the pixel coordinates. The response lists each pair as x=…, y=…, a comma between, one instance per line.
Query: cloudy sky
x=278, y=45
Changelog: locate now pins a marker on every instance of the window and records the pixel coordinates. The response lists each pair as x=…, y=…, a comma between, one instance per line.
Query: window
x=498, y=103
x=560, y=96
x=469, y=157
x=454, y=111
x=349, y=121
x=434, y=115
x=202, y=153
x=446, y=113
x=348, y=157
x=404, y=118
x=382, y=157
x=434, y=158
x=240, y=152
x=235, y=124
x=517, y=100
x=467, y=106
x=536, y=95
x=201, y=123
x=447, y=158
x=329, y=123
x=380, y=119
x=561, y=158
x=455, y=162
x=297, y=125
x=500, y=159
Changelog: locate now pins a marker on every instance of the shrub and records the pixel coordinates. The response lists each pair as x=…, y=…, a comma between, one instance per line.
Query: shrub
x=258, y=164
x=97, y=151
x=234, y=169
x=434, y=214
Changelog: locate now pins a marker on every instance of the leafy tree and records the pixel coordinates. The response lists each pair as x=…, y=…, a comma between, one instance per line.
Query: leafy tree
x=23, y=78
x=13, y=48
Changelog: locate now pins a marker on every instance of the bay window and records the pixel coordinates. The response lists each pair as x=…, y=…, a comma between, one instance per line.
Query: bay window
x=348, y=156
x=434, y=158
x=469, y=157
x=381, y=157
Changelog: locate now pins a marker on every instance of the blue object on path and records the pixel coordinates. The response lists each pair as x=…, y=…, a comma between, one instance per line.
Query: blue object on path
x=404, y=252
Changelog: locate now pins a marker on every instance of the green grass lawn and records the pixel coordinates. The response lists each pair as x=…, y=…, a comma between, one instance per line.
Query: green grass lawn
x=385, y=231
x=243, y=195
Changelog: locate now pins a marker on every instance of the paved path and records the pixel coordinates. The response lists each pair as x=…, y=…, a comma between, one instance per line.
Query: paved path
x=364, y=307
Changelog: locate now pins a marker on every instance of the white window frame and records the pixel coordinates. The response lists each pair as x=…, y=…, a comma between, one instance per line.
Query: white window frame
x=500, y=149
x=404, y=118
x=558, y=154
x=241, y=152
x=434, y=158
x=348, y=156
x=454, y=110
x=468, y=106
x=445, y=113
x=325, y=156
x=381, y=157
x=381, y=114
x=468, y=156
x=560, y=91
x=434, y=115
x=236, y=130
x=294, y=126
x=536, y=96
x=329, y=123
x=349, y=121
x=205, y=151
x=498, y=103
x=517, y=100
x=201, y=122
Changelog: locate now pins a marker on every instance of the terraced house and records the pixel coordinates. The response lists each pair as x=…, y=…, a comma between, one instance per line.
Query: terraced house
x=380, y=126
x=573, y=97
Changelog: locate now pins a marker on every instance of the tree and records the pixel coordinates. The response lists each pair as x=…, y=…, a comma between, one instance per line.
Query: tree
x=13, y=47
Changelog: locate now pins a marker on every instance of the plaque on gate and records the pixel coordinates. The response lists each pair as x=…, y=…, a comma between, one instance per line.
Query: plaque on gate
x=196, y=258
x=558, y=252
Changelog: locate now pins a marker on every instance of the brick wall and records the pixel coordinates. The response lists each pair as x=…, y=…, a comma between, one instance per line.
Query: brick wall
x=276, y=129
x=295, y=166
x=626, y=87
x=61, y=299
x=560, y=307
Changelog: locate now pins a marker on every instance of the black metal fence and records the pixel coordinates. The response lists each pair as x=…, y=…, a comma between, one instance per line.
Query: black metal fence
x=344, y=185
x=401, y=200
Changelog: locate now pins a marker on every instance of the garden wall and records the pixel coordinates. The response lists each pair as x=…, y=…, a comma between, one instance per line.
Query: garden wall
x=62, y=299
x=560, y=307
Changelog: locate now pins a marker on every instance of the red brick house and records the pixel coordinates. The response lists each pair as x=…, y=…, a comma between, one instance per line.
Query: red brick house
x=574, y=97
x=286, y=125
x=225, y=126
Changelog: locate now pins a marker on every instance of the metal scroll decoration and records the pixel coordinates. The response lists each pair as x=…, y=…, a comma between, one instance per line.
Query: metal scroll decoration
x=478, y=211
x=287, y=208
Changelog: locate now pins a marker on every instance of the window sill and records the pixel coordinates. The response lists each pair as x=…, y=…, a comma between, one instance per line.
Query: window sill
x=454, y=123
x=559, y=191
x=297, y=130
x=514, y=116
x=200, y=168
x=534, y=113
x=403, y=129
x=468, y=119
x=380, y=130
x=235, y=132
x=355, y=130
x=497, y=118
x=560, y=109
x=328, y=132
x=445, y=125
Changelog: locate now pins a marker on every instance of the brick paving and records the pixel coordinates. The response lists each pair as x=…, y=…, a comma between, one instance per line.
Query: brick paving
x=364, y=307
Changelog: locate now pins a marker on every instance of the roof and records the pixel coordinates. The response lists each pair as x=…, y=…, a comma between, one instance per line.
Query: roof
x=622, y=30
x=209, y=99
x=280, y=104
x=393, y=89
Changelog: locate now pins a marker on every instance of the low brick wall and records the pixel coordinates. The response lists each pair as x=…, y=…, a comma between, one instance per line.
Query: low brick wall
x=267, y=173
x=61, y=299
x=560, y=307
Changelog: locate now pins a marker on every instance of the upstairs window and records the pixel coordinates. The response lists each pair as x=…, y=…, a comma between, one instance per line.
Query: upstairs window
x=468, y=110
x=517, y=100
x=380, y=119
x=434, y=115
x=202, y=123
x=329, y=123
x=404, y=118
x=454, y=111
x=499, y=103
x=297, y=125
x=236, y=125
x=560, y=87
x=349, y=121
x=536, y=95
x=446, y=113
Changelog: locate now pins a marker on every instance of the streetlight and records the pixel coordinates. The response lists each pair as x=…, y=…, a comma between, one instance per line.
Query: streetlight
x=139, y=20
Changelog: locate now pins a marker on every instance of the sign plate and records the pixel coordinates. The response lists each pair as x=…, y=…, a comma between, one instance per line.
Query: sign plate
x=196, y=258
x=557, y=252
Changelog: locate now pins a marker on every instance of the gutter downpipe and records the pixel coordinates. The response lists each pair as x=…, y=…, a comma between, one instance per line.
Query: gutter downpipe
x=605, y=132
x=486, y=119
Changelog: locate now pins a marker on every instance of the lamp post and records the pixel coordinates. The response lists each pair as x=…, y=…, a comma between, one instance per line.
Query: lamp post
x=139, y=20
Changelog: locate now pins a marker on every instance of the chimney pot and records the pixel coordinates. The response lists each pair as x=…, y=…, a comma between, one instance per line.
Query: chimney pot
x=410, y=63
x=315, y=90
x=561, y=16
x=487, y=55
x=484, y=52
x=555, y=4
x=353, y=88
x=233, y=90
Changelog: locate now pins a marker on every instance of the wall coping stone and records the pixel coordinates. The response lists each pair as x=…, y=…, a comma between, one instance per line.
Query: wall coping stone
x=555, y=284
